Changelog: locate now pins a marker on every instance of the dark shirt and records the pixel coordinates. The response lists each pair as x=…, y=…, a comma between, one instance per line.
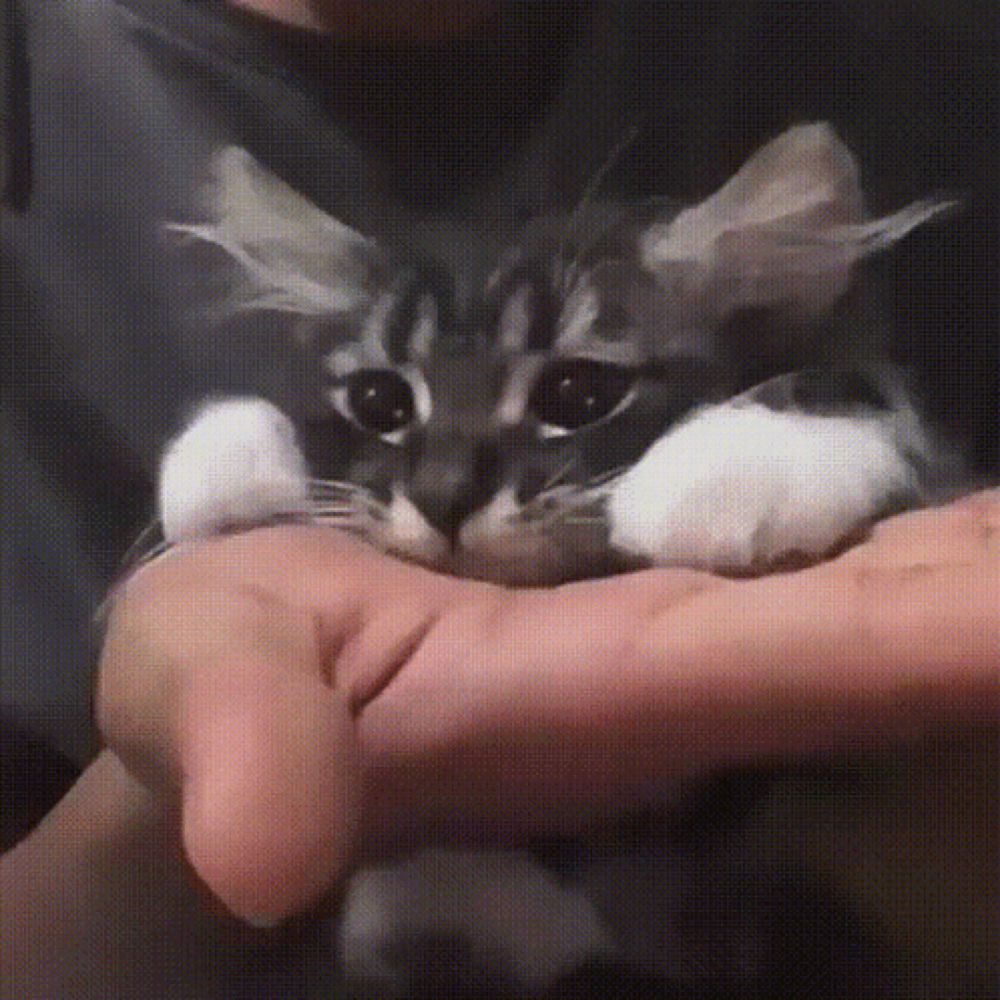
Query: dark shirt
x=115, y=107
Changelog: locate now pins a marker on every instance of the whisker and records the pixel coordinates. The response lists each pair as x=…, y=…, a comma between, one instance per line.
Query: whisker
x=565, y=271
x=329, y=488
x=603, y=478
x=332, y=486
x=137, y=551
x=332, y=511
x=334, y=498
x=558, y=475
x=574, y=495
x=341, y=520
x=330, y=496
x=342, y=484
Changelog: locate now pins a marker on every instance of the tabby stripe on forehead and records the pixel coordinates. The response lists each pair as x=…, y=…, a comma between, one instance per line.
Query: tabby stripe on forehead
x=421, y=284
x=523, y=313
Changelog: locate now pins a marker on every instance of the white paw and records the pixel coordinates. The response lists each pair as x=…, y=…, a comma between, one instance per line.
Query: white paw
x=740, y=486
x=515, y=917
x=236, y=463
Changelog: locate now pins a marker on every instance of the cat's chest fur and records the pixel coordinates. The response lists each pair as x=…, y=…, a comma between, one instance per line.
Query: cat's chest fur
x=697, y=388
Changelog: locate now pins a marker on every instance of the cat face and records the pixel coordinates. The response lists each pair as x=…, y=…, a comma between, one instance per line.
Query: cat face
x=479, y=439
x=474, y=422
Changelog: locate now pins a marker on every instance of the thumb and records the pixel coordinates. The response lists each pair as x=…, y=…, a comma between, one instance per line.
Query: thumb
x=269, y=793
x=220, y=689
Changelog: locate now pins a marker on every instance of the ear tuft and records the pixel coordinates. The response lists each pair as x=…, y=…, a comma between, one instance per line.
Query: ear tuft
x=805, y=173
x=786, y=230
x=292, y=256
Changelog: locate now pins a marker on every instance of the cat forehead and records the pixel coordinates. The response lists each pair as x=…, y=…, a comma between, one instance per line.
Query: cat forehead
x=539, y=302
x=422, y=308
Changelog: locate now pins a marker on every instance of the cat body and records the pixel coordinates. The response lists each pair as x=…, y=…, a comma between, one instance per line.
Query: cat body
x=621, y=387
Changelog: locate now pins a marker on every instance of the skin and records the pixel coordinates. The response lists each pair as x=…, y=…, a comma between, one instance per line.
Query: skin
x=233, y=666
x=287, y=704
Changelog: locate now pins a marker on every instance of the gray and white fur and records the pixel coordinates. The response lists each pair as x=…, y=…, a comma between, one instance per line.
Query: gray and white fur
x=704, y=387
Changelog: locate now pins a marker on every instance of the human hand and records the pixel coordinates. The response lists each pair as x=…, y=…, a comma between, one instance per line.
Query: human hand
x=238, y=672
x=310, y=699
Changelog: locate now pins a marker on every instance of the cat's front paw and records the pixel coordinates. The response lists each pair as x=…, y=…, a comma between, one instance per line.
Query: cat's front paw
x=236, y=464
x=741, y=487
x=503, y=917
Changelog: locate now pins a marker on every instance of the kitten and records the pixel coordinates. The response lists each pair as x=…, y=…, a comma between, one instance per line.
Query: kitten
x=626, y=386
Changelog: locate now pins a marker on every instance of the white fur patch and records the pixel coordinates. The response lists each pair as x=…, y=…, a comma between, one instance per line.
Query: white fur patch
x=520, y=380
x=515, y=320
x=425, y=328
x=739, y=486
x=406, y=532
x=577, y=318
x=373, y=333
x=237, y=463
x=422, y=401
x=515, y=916
x=342, y=362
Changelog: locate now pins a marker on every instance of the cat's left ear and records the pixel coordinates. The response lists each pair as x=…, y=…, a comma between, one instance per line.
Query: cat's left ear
x=290, y=256
x=785, y=231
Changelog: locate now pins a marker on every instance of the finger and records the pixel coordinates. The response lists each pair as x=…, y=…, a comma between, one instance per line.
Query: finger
x=269, y=789
x=599, y=692
x=516, y=713
x=953, y=534
x=219, y=692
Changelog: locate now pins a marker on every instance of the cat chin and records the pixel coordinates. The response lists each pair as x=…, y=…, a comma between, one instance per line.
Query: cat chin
x=538, y=567
x=500, y=544
x=525, y=559
x=524, y=572
x=494, y=545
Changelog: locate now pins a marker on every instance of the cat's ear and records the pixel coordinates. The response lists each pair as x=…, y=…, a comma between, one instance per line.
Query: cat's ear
x=785, y=231
x=291, y=256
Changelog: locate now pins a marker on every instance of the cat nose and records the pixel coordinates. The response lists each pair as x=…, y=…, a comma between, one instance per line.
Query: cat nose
x=451, y=482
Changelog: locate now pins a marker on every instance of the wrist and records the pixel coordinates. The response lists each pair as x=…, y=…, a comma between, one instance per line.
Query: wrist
x=103, y=877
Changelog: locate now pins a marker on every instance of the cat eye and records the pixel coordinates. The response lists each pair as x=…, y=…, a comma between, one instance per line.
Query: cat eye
x=380, y=400
x=577, y=391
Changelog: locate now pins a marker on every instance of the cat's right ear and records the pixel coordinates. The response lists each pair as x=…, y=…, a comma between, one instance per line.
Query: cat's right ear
x=290, y=255
x=785, y=232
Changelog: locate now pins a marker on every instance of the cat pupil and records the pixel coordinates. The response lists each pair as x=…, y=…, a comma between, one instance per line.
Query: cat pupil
x=572, y=393
x=381, y=400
